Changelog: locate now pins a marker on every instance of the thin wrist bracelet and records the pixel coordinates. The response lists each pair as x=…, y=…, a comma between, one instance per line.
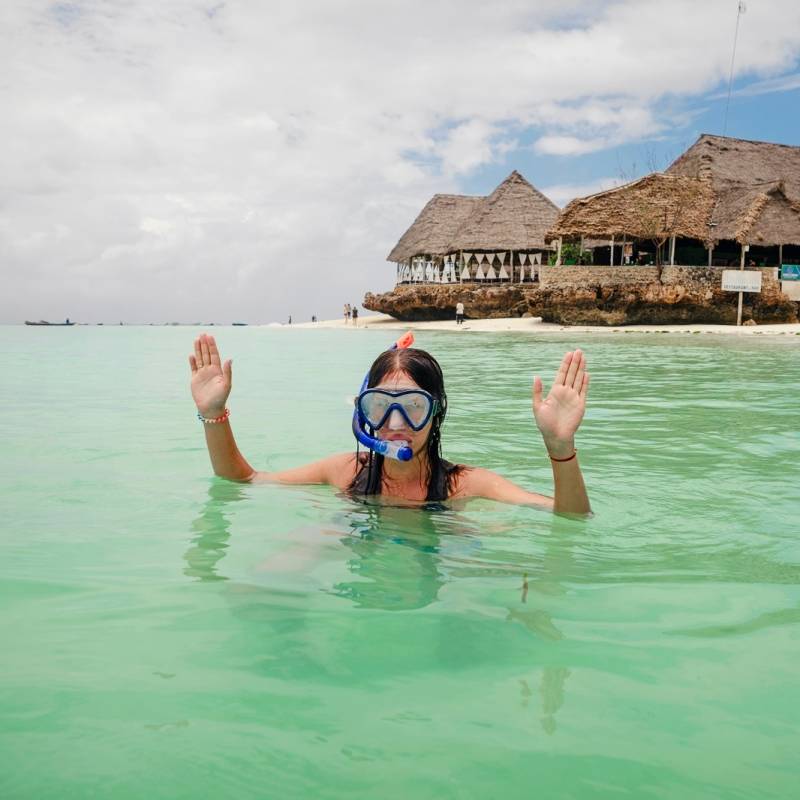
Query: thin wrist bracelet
x=562, y=460
x=221, y=418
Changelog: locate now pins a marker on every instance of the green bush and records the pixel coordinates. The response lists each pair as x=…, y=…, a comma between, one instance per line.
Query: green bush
x=571, y=254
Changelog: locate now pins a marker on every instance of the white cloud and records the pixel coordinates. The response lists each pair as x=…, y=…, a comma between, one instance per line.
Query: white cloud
x=568, y=145
x=786, y=83
x=253, y=160
x=467, y=146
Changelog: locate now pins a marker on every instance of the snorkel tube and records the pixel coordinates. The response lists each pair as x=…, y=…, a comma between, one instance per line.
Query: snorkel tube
x=400, y=451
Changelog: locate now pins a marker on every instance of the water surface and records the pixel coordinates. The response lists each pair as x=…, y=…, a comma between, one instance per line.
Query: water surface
x=167, y=634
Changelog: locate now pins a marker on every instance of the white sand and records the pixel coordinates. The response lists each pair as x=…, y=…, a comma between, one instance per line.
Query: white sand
x=535, y=326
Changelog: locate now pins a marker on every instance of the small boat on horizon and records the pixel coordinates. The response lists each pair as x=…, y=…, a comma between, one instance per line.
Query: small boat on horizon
x=67, y=323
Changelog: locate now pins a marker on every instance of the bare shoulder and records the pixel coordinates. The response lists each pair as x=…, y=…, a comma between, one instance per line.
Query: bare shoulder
x=480, y=482
x=342, y=468
x=471, y=481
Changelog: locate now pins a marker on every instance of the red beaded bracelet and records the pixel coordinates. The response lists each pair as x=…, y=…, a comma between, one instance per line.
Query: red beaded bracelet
x=214, y=421
x=562, y=460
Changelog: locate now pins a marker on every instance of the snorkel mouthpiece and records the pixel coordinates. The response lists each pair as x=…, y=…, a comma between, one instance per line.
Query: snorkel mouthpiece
x=398, y=450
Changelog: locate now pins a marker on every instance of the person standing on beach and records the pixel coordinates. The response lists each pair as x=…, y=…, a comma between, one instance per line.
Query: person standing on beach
x=346, y=313
x=459, y=313
x=355, y=316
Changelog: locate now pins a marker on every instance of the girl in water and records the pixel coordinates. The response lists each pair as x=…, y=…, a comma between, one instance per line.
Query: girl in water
x=403, y=404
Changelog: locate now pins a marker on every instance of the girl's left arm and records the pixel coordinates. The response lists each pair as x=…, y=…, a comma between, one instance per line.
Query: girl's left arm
x=558, y=417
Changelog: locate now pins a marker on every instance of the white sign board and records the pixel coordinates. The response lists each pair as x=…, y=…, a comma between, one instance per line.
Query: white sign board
x=741, y=280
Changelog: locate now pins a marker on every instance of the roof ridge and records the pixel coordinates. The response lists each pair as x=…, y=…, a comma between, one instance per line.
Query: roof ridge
x=748, y=141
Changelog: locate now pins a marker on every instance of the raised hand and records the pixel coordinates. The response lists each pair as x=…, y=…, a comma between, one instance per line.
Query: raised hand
x=211, y=380
x=559, y=415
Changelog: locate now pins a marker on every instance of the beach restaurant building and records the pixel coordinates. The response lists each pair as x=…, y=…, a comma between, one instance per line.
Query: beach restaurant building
x=495, y=239
x=724, y=203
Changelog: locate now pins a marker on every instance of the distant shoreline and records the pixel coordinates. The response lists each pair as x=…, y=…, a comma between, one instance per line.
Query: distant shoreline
x=536, y=327
x=527, y=325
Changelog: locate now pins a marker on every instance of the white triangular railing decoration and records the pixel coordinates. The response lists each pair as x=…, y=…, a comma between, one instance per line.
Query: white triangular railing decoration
x=465, y=273
x=479, y=276
x=503, y=275
x=524, y=258
x=467, y=257
x=521, y=274
x=537, y=258
x=490, y=274
x=502, y=257
x=428, y=272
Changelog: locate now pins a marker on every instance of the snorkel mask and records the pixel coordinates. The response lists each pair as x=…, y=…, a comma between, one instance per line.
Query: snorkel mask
x=375, y=406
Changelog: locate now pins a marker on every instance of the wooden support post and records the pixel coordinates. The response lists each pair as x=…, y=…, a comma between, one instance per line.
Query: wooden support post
x=558, y=252
x=611, y=261
x=710, y=251
x=672, y=251
x=739, y=307
x=780, y=258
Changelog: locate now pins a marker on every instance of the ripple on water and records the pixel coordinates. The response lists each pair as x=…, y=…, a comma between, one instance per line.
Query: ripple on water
x=249, y=639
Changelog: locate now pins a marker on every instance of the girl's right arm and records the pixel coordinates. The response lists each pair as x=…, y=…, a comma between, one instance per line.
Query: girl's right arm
x=211, y=386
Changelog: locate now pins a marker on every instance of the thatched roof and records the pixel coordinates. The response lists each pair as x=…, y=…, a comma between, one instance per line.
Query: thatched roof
x=771, y=218
x=515, y=216
x=729, y=162
x=656, y=206
x=757, y=186
x=720, y=188
x=435, y=226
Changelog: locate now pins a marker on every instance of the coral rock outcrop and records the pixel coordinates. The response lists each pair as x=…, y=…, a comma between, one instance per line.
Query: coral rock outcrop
x=595, y=296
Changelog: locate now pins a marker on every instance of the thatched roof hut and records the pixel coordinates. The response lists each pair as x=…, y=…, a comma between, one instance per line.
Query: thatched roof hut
x=515, y=216
x=437, y=223
x=656, y=206
x=757, y=187
x=720, y=189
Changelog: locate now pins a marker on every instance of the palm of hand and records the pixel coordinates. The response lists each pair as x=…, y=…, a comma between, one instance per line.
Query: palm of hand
x=211, y=379
x=559, y=415
x=209, y=387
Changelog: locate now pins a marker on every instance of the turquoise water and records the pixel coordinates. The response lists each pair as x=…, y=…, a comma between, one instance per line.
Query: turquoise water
x=169, y=635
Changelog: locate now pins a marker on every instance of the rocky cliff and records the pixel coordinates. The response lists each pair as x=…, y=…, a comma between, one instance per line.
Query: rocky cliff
x=595, y=296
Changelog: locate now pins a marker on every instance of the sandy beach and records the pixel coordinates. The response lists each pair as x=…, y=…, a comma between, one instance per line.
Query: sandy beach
x=534, y=325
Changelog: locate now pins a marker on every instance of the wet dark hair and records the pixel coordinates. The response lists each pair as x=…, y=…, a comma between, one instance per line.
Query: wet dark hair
x=425, y=371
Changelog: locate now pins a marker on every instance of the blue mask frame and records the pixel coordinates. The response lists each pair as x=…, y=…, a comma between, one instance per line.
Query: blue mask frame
x=375, y=425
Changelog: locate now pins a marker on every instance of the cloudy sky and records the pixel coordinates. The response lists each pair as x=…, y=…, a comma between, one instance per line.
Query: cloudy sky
x=179, y=160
